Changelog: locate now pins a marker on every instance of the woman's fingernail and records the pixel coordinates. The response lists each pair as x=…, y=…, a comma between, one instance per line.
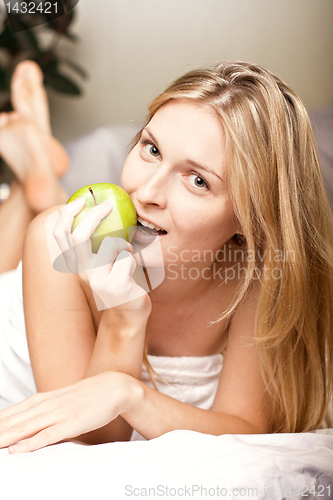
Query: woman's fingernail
x=78, y=200
x=106, y=204
x=15, y=448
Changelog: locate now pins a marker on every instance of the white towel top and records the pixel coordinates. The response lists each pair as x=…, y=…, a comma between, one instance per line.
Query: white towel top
x=194, y=379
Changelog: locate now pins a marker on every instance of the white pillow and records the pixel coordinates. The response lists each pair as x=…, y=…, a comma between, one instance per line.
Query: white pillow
x=98, y=156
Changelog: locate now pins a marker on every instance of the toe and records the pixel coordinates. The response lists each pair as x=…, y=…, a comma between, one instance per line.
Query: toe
x=3, y=119
x=30, y=70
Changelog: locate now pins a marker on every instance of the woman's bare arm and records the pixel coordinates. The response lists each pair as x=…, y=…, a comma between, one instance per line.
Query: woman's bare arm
x=64, y=342
x=241, y=390
x=241, y=404
x=49, y=418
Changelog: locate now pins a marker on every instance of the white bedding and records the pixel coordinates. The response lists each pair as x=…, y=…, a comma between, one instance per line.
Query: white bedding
x=178, y=464
x=187, y=463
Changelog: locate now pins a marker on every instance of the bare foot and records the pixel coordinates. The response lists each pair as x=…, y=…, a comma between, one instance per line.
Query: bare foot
x=29, y=98
x=23, y=149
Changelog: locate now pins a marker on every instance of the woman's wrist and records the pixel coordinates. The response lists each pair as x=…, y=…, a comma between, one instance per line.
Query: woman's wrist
x=125, y=319
x=131, y=390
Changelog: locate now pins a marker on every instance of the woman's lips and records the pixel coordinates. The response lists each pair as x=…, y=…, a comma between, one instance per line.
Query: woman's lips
x=146, y=235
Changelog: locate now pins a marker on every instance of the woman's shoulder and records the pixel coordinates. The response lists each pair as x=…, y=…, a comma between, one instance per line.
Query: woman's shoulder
x=40, y=219
x=243, y=315
x=41, y=228
x=39, y=248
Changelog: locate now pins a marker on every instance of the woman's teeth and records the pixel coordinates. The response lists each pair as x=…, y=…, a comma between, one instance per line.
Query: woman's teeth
x=149, y=224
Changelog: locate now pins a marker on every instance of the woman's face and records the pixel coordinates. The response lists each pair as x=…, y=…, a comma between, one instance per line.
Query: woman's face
x=175, y=176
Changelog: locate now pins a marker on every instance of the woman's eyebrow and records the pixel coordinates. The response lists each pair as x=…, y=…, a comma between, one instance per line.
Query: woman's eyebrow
x=203, y=167
x=151, y=136
x=191, y=162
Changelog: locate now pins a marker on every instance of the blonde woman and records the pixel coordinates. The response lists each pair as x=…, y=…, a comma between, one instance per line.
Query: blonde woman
x=226, y=167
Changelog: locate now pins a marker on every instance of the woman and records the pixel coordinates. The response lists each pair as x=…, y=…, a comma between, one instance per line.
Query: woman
x=227, y=166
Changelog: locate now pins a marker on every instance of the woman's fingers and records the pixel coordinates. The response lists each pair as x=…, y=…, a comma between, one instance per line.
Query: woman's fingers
x=46, y=437
x=64, y=413
x=17, y=408
x=102, y=277
x=80, y=238
x=109, y=250
x=25, y=423
x=39, y=421
x=76, y=247
x=113, y=285
x=62, y=230
x=124, y=266
x=23, y=429
x=13, y=413
x=64, y=224
x=89, y=223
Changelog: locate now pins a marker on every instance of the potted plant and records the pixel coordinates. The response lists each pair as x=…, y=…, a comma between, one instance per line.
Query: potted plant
x=27, y=44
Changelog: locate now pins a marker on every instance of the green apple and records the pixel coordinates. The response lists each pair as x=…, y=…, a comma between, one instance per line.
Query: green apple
x=122, y=220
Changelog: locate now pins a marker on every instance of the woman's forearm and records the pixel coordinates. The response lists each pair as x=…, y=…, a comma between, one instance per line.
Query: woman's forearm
x=154, y=414
x=119, y=345
x=118, y=348
x=95, y=402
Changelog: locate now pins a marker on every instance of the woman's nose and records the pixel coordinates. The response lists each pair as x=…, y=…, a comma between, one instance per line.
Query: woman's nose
x=153, y=191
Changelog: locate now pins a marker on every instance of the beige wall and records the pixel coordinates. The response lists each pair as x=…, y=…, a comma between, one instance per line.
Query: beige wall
x=133, y=48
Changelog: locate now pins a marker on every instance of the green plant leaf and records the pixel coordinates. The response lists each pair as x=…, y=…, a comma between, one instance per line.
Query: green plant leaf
x=47, y=60
x=49, y=64
x=4, y=80
x=30, y=39
x=60, y=24
x=61, y=83
x=25, y=43
x=25, y=38
x=9, y=40
x=70, y=4
x=71, y=36
x=6, y=106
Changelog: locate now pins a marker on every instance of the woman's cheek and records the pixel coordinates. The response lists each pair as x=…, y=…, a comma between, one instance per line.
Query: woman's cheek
x=127, y=175
x=132, y=171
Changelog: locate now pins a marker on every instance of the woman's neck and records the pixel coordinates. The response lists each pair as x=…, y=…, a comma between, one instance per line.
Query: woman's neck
x=187, y=284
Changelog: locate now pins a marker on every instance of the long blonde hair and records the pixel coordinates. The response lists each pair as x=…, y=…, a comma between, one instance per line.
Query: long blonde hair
x=279, y=198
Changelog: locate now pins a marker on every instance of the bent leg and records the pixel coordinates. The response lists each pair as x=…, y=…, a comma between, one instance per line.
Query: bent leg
x=35, y=189
x=15, y=216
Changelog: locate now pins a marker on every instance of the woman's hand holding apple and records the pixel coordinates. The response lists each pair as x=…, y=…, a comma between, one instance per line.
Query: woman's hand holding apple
x=109, y=272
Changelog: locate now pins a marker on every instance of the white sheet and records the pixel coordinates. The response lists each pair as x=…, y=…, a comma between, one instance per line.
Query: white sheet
x=189, y=464
x=16, y=377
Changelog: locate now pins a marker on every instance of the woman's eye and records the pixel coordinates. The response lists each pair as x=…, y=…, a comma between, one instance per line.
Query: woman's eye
x=152, y=150
x=199, y=181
